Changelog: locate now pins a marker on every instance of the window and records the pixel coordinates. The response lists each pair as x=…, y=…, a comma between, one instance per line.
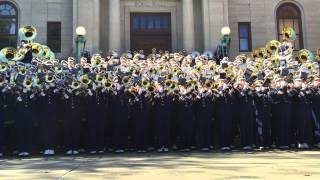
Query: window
x=150, y=22
x=288, y=14
x=244, y=29
x=8, y=24
x=54, y=36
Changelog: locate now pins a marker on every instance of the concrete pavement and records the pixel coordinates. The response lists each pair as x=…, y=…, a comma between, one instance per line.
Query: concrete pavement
x=153, y=166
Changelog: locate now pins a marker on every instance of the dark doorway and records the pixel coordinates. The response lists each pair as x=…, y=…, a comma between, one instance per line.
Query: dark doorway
x=150, y=30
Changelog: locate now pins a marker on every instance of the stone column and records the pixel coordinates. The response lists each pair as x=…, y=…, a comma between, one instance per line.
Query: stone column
x=114, y=25
x=206, y=25
x=188, y=25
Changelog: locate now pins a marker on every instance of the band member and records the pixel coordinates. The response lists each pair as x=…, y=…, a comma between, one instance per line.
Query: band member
x=302, y=113
x=204, y=108
x=97, y=108
x=245, y=113
x=72, y=121
x=224, y=113
x=162, y=103
x=316, y=110
x=281, y=113
x=23, y=118
x=141, y=117
x=119, y=119
x=262, y=102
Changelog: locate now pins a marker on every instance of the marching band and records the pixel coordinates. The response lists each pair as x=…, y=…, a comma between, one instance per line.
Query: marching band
x=164, y=100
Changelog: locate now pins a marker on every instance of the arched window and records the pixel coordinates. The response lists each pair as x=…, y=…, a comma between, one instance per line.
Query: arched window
x=8, y=24
x=288, y=14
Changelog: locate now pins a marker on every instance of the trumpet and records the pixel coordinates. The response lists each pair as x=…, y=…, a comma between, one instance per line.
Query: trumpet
x=27, y=33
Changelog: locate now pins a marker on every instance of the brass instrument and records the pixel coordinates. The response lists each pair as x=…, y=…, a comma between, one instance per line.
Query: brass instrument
x=75, y=84
x=49, y=78
x=99, y=78
x=305, y=55
x=37, y=49
x=167, y=83
x=107, y=83
x=145, y=82
x=242, y=58
x=318, y=55
x=22, y=70
x=208, y=84
x=47, y=53
x=288, y=34
x=27, y=33
x=126, y=80
x=27, y=83
x=84, y=79
x=8, y=54
x=58, y=69
x=3, y=67
x=272, y=46
x=151, y=88
x=259, y=53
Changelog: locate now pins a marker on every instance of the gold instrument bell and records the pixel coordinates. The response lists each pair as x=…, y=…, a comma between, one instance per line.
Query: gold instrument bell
x=318, y=55
x=305, y=55
x=107, y=83
x=84, y=79
x=3, y=67
x=8, y=54
x=27, y=33
x=75, y=84
x=288, y=34
x=272, y=46
x=49, y=78
x=27, y=83
x=37, y=49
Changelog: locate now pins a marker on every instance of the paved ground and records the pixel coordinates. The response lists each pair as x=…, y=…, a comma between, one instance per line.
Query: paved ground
x=181, y=166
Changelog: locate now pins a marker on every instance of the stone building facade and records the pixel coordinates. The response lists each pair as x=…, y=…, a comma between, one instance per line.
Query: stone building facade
x=172, y=24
